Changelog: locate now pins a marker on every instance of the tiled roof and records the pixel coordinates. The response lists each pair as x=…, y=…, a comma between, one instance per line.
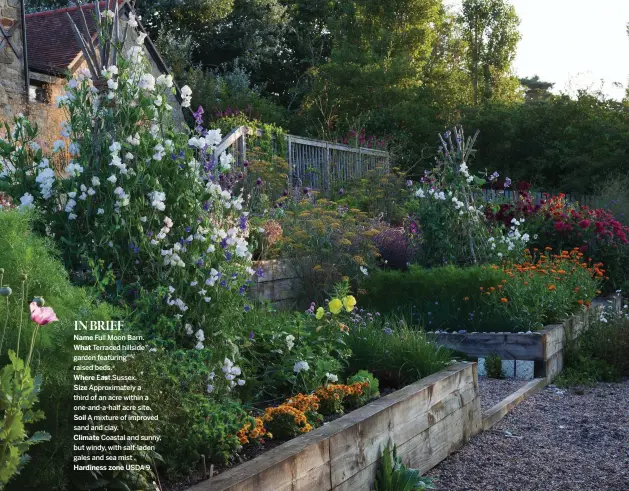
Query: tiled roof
x=51, y=44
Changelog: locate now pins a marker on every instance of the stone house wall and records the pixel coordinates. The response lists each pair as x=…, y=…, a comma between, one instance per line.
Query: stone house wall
x=12, y=86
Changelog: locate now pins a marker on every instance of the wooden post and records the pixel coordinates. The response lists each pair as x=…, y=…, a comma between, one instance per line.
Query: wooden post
x=242, y=147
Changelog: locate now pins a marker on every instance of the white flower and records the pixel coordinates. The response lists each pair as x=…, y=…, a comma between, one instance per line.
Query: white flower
x=26, y=202
x=159, y=152
x=200, y=335
x=420, y=193
x=107, y=14
x=74, y=169
x=95, y=181
x=210, y=388
x=186, y=96
x=290, y=341
x=226, y=161
x=364, y=271
x=240, y=382
x=199, y=345
x=332, y=378
x=147, y=81
x=100, y=211
x=112, y=84
x=112, y=179
x=71, y=216
x=301, y=366
x=141, y=37
x=165, y=80
x=58, y=145
x=134, y=140
x=134, y=54
x=132, y=20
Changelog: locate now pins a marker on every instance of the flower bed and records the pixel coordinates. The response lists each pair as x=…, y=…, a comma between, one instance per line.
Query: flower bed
x=427, y=420
x=544, y=347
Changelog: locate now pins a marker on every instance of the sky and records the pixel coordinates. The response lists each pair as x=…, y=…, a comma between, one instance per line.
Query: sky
x=574, y=43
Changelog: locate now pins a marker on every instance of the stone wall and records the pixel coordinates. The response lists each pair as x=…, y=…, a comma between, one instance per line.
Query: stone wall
x=12, y=90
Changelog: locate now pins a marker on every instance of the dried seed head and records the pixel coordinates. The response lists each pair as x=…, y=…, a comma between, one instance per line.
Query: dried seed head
x=5, y=291
x=23, y=277
x=39, y=301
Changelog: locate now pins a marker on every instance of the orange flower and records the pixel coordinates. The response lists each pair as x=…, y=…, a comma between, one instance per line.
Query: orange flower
x=466, y=299
x=552, y=288
x=580, y=302
x=504, y=300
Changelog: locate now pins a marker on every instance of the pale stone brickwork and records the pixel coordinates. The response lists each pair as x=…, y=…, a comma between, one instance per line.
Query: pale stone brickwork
x=45, y=114
x=12, y=87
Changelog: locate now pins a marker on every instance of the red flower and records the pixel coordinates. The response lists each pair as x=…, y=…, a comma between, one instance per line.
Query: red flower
x=585, y=223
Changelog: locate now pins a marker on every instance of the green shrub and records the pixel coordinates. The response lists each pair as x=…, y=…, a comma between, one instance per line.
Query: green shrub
x=600, y=353
x=438, y=298
x=493, y=366
x=370, y=392
x=516, y=296
x=396, y=354
x=272, y=343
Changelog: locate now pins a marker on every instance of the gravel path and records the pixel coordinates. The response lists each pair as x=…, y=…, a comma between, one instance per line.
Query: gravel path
x=493, y=390
x=566, y=441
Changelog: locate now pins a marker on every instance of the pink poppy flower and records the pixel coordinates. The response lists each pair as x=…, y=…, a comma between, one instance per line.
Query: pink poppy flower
x=42, y=315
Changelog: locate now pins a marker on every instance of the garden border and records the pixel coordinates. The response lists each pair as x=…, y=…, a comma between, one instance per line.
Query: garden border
x=545, y=347
x=427, y=420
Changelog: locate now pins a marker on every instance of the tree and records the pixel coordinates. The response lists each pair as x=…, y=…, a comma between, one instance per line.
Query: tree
x=536, y=89
x=491, y=29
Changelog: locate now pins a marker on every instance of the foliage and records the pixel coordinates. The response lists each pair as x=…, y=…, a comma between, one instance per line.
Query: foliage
x=393, y=475
x=141, y=200
x=332, y=397
x=23, y=254
x=192, y=421
x=328, y=241
x=516, y=296
x=564, y=144
x=557, y=223
x=285, y=421
x=491, y=30
x=493, y=366
x=376, y=194
x=446, y=222
x=289, y=352
x=369, y=391
x=18, y=398
x=394, y=352
x=599, y=354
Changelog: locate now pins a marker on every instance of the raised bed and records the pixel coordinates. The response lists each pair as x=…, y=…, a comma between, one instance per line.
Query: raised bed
x=427, y=421
x=545, y=347
x=280, y=284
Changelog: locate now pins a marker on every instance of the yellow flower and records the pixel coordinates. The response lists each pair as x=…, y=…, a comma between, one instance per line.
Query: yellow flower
x=320, y=313
x=349, y=302
x=335, y=306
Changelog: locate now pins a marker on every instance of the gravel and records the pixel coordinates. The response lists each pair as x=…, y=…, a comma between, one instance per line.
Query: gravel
x=561, y=440
x=493, y=390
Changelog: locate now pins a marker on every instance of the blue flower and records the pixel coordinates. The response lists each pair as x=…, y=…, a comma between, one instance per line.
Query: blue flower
x=228, y=256
x=387, y=330
x=260, y=273
x=242, y=290
x=247, y=308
